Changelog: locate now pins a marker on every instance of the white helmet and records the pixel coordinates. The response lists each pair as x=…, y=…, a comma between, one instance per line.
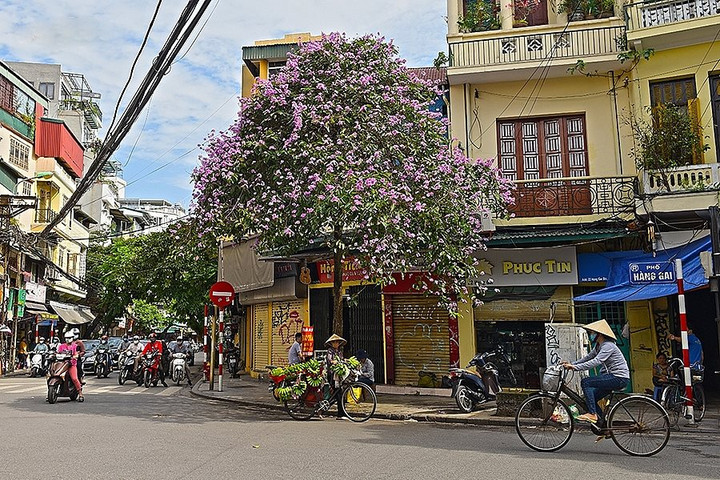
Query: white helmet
x=76, y=333
x=69, y=335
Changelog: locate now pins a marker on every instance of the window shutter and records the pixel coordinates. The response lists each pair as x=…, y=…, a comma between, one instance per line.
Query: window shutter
x=694, y=114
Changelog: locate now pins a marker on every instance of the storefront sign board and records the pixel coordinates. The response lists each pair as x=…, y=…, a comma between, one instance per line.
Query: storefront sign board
x=508, y=267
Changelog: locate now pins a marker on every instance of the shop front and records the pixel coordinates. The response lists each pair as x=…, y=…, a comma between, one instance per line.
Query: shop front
x=527, y=288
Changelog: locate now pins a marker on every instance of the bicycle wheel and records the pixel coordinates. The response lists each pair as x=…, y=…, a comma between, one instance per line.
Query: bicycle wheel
x=544, y=423
x=358, y=401
x=673, y=404
x=639, y=426
x=303, y=407
x=698, y=402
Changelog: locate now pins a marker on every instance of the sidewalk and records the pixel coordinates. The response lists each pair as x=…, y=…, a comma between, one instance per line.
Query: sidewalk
x=247, y=391
x=250, y=392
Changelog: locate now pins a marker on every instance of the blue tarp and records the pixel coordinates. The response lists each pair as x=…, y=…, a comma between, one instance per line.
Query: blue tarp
x=621, y=289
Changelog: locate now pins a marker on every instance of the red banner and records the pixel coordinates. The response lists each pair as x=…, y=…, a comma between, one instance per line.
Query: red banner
x=351, y=271
x=307, y=344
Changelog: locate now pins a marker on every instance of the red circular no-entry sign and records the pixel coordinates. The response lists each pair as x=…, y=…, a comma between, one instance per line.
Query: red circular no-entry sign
x=221, y=294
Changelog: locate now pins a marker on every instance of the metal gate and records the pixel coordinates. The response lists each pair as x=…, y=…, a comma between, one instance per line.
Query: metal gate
x=363, y=326
x=321, y=315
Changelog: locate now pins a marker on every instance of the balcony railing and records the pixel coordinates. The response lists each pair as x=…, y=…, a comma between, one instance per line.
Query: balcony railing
x=663, y=12
x=574, y=196
x=690, y=178
x=581, y=43
x=45, y=215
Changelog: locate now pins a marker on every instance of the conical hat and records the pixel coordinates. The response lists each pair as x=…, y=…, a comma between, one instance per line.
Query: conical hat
x=335, y=338
x=601, y=327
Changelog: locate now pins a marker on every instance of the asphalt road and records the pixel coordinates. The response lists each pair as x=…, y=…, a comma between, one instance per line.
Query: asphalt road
x=136, y=433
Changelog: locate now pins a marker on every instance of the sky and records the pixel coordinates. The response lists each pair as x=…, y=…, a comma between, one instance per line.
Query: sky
x=100, y=39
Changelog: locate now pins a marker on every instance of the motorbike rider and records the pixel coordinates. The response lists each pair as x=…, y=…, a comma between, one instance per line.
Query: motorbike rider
x=105, y=346
x=41, y=346
x=135, y=350
x=80, y=354
x=155, y=345
x=181, y=347
x=54, y=344
x=71, y=346
x=125, y=344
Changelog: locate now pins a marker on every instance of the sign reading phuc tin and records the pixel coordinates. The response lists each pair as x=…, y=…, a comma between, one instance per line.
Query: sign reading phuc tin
x=651, y=272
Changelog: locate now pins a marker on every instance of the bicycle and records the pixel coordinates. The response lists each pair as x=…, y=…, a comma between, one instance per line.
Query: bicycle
x=673, y=395
x=637, y=424
x=358, y=400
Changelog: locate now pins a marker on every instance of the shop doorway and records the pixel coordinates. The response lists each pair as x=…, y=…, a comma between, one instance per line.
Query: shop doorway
x=700, y=306
x=522, y=342
x=362, y=322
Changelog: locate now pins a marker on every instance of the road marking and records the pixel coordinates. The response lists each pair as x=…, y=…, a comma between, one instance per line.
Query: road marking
x=133, y=391
x=24, y=390
x=170, y=390
x=105, y=389
x=12, y=385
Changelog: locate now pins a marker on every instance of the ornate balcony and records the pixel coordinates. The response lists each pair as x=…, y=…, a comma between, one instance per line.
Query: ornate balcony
x=687, y=179
x=573, y=196
x=506, y=51
x=660, y=23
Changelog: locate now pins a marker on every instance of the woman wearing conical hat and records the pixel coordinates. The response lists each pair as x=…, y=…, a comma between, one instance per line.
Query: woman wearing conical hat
x=615, y=374
x=334, y=355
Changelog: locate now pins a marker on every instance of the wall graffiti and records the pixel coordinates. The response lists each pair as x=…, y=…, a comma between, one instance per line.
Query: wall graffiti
x=552, y=343
x=287, y=319
x=662, y=330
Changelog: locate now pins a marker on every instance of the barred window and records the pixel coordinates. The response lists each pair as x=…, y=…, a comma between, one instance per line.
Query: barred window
x=19, y=153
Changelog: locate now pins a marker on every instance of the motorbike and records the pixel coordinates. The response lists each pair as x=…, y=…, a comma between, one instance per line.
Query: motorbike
x=127, y=366
x=178, y=367
x=59, y=382
x=103, y=361
x=151, y=369
x=472, y=388
x=233, y=361
x=38, y=364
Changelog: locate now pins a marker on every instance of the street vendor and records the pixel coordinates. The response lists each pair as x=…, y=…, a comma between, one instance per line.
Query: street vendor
x=334, y=355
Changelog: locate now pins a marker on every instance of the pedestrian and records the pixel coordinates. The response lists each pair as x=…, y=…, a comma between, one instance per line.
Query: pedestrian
x=22, y=354
x=367, y=369
x=295, y=350
x=334, y=355
x=615, y=374
x=697, y=357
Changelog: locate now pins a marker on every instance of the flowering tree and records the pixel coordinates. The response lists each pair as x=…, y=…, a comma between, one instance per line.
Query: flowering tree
x=340, y=151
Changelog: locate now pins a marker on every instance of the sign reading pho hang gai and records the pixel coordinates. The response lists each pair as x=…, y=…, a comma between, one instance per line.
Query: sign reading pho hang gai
x=513, y=267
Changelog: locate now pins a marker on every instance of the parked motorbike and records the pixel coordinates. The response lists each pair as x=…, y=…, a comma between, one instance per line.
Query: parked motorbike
x=151, y=369
x=471, y=388
x=233, y=362
x=59, y=382
x=178, y=367
x=38, y=364
x=126, y=364
x=103, y=361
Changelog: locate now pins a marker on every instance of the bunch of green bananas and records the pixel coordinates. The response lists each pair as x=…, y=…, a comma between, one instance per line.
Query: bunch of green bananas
x=340, y=369
x=277, y=372
x=314, y=381
x=353, y=363
x=284, y=393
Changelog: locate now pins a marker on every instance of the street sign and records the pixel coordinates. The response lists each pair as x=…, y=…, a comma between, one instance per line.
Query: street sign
x=643, y=273
x=221, y=294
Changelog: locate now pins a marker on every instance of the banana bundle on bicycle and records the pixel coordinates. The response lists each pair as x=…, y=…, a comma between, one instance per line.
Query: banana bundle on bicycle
x=293, y=380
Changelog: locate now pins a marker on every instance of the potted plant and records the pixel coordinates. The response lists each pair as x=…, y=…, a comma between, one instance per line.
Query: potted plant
x=480, y=15
x=574, y=9
x=607, y=8
x=591, y=9
x=522, y=9
x=665, y=142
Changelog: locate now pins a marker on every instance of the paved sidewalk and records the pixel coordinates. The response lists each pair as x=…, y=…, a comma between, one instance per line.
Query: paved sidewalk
x=251, y=392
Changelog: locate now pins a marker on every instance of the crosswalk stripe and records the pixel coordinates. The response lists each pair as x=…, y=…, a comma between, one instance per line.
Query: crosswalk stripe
x=170, y=391
x=106, y=389
x=133, y=391
x=12, y=385
x=31, y=389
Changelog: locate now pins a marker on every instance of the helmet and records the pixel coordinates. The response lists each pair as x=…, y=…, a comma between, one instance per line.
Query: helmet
x=76, y=333
x=104, y=339
x=69, y=336
x=125, y=337
x=179, y=338
x=152, y=336
x=55, y=340
x=42, y=339
x=136, y=338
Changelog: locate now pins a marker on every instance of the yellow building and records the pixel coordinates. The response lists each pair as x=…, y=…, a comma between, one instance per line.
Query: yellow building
x=566, y=140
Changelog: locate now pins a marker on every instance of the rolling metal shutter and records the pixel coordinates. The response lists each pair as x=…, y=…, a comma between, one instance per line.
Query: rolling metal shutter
x=286, y=320
x=260, y=343
x=422, y=338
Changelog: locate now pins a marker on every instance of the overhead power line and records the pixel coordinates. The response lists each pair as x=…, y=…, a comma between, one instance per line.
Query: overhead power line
x=186, y=23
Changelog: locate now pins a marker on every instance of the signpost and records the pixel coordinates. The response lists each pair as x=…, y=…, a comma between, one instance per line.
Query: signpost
x=221, y=295
x=642, y=273
x=685, y=348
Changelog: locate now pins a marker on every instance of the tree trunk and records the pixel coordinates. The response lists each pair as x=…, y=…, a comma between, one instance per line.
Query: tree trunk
x=337, y=284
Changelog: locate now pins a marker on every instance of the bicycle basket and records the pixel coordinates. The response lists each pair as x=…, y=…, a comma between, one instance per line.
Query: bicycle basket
x=551, y=380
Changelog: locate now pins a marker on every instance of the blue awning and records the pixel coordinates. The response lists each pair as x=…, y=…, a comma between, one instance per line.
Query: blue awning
x=622, y=288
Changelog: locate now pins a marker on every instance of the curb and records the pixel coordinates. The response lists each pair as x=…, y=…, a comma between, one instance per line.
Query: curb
x=430, y=418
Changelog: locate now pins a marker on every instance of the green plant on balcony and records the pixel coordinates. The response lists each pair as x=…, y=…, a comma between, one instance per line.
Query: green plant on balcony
x=665, y=140
x=607, y=8
x=522, y=9
x=575, y=9
x=480, y=15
